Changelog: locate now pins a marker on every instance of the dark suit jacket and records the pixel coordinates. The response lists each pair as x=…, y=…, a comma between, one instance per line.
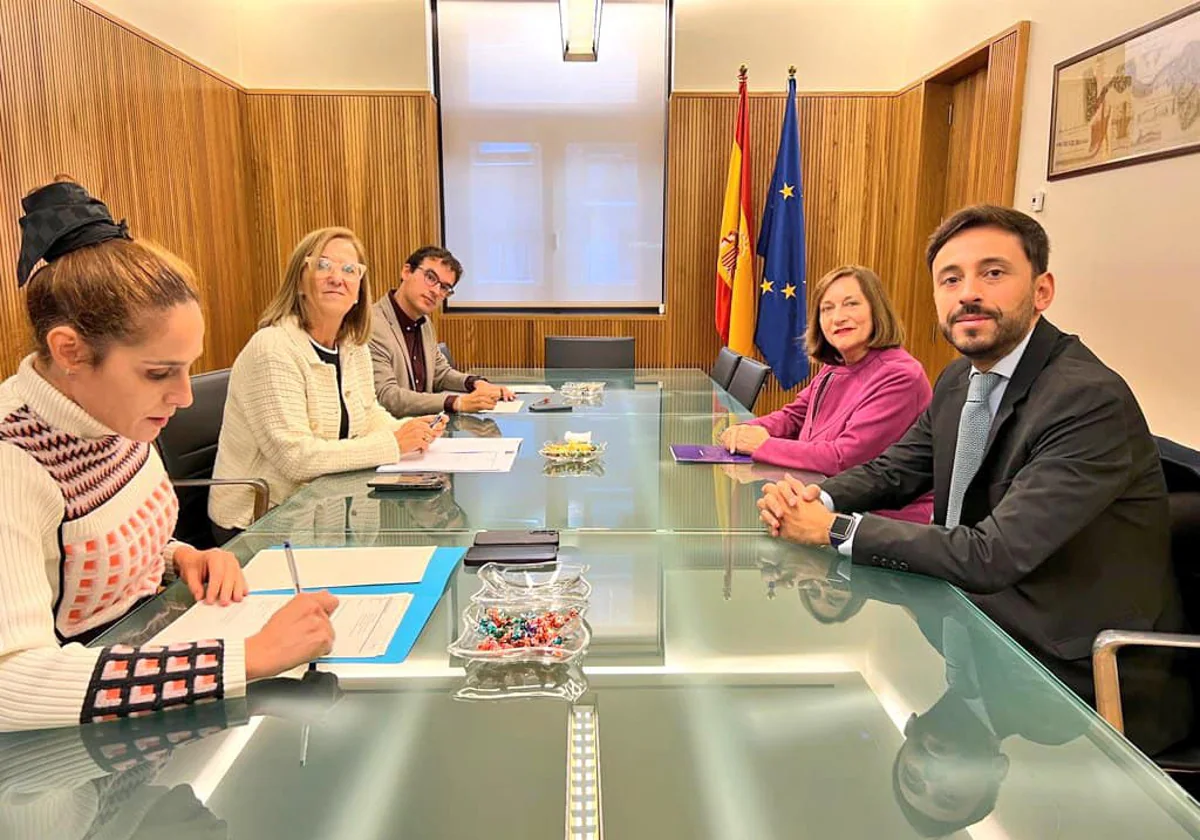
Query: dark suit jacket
x=1064, y=529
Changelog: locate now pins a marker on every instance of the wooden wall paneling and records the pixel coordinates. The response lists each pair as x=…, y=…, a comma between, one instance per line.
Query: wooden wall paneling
x=159, y=139
x=488, y=340
x=925, y=336
x=1002, y=114
x=358, y=161
x=700, y=130
x=900, y=200
x=915, y=176
x=964, y=180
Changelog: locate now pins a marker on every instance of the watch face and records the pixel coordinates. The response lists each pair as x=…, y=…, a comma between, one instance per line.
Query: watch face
x=841, y=526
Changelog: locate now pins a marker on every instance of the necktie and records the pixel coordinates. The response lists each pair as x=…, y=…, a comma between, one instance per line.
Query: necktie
x=973, y=427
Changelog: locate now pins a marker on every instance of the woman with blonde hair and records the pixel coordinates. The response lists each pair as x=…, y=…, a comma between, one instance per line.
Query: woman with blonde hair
x=865, y=397
x=87, y=511
x=301, y=398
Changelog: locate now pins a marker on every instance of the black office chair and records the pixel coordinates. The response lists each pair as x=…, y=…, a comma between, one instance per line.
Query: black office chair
x=446, y=352
x=589, y=352
x=724, y=367
x=188, y=446
x=1181, y=466
x=748, y=381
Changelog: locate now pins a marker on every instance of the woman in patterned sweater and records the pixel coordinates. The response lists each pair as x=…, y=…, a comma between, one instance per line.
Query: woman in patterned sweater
x=86, y=508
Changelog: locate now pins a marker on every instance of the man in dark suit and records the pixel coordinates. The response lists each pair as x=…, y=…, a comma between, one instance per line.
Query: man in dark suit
x=1050, y=506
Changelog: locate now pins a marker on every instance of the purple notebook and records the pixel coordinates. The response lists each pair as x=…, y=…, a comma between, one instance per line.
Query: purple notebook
x=686, y=453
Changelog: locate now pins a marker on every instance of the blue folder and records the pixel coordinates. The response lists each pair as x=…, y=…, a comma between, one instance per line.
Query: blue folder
x=426, y=595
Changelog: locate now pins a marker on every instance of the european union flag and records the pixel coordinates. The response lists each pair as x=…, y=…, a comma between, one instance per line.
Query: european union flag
x=782, y=303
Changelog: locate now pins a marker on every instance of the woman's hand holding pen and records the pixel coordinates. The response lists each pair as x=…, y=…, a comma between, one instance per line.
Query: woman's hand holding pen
x=299, y=632
x=418, y=433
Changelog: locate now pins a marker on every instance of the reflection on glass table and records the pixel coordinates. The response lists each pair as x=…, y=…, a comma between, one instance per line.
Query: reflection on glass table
x=887, y=707
x=148, y=777
x=634, y=485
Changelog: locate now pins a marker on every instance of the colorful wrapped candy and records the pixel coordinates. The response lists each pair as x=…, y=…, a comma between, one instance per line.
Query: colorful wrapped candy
x=505, y=631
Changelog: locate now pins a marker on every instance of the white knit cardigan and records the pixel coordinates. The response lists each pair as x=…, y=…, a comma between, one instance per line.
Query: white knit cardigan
x=282, y=418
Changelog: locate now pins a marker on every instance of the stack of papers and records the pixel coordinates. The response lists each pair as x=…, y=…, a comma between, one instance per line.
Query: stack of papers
x=530, y=389
x=458, y=455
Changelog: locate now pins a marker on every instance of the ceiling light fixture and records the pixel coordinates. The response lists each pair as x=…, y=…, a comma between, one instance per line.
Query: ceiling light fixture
x=580, y=24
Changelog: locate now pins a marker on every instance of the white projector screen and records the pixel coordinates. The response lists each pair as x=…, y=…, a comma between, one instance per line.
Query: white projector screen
x=553, y=171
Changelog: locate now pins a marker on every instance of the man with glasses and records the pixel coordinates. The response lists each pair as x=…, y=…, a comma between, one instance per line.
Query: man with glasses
x=412, y=376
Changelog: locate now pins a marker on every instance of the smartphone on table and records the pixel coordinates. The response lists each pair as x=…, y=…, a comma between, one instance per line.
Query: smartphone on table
x=409, y=481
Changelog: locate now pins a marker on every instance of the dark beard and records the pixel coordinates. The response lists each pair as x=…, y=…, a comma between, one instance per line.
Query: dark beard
x=1010, y=329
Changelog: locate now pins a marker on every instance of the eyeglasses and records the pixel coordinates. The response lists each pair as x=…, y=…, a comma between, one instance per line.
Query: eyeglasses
x=346, y=271
x=434, y=282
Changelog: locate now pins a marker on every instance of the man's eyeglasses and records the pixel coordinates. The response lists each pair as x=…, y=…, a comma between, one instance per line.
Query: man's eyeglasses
x=434, y=282
x=346, y=271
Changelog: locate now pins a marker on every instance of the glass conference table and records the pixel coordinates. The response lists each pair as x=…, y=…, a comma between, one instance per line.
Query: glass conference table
x=733, y=688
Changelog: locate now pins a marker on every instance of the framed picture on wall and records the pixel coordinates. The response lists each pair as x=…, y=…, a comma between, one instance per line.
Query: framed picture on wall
x=1133, y=99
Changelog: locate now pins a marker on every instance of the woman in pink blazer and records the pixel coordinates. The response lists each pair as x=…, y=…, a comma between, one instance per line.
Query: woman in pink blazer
x=867, y=394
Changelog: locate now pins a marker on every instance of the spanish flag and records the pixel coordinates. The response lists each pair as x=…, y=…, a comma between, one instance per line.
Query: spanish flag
x=736, y=299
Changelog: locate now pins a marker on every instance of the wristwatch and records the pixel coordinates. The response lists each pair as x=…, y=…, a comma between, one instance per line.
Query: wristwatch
x=841, y=529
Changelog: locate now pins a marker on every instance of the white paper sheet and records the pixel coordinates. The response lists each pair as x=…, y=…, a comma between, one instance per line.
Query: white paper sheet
x=455, y=462
x=530, y=389
x=322, y=568
x=363, y=624
x=510, y=407
x=473, y=444
x=457, y=455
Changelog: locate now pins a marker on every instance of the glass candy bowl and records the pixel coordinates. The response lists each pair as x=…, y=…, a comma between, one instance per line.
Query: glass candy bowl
x=562, y=582
x=545, y=631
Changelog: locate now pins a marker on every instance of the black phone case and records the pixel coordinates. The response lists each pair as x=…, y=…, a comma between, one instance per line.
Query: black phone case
x=540, y=405
x=477, y=555
x=545, y=537
x=436, y=483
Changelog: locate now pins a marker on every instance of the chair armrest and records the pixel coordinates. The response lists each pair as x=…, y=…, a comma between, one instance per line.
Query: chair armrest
x=262, y=493
x=1104, y=666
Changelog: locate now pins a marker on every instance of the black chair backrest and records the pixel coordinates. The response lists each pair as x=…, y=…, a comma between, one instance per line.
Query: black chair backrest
x=724, y=367
x=1181, y=467
x=446, y=352
x=589, y=352
x=748, y=381
x=188, y=446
